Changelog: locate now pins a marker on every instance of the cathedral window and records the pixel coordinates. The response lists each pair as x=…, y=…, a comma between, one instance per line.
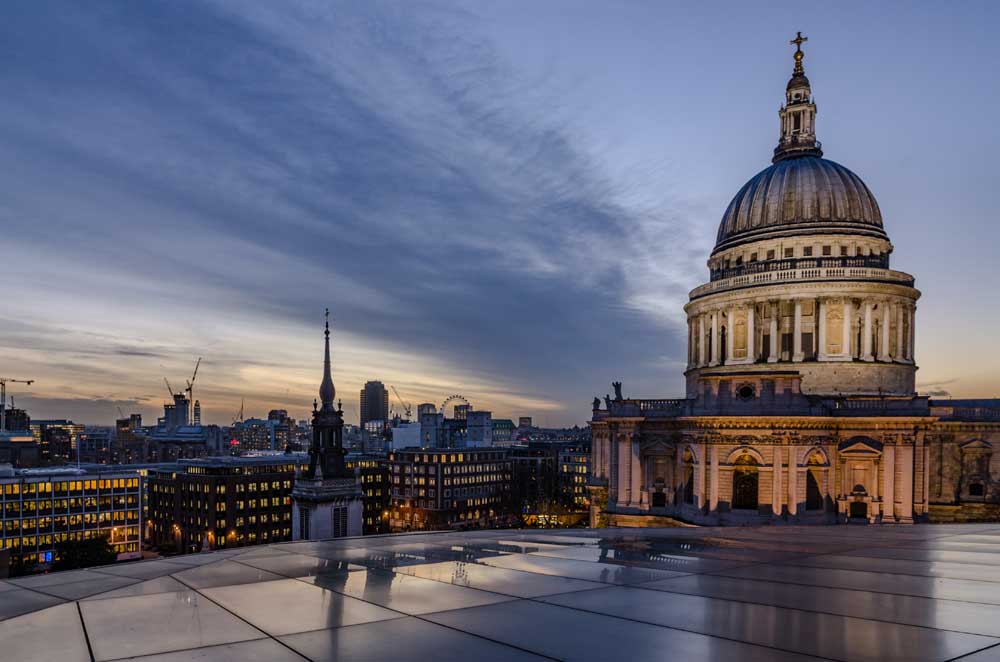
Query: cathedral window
x=789, y=252
x=745, y=392
x=843, y=251
x=770, y=254
x=826, y=250
x=807, y=251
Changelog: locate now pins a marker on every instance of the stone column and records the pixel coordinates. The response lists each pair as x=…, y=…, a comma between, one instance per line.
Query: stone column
x=624, y=469
x=821, y=332
x=905, y=487
x=885, y=354
x=715, y=339
x=797, y=354
x=913, y=334
x=730, y=336
x=776, y=481
x=751, y=334
x=900, y=354
x=637, y=481
x=888, y=483
x=713, y=492
x=699, y=495
x=701, y=340
x=793, y=480
x=846, y=342
x=866, y=334
x=773, y=355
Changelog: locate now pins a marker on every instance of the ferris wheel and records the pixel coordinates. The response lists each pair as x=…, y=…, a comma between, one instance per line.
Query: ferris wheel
x=455, y=400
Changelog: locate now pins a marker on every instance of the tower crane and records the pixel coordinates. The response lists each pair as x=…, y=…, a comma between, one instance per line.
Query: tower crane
x=407, y=408
x=3, y=396
x=190, y=385
x=169, y=390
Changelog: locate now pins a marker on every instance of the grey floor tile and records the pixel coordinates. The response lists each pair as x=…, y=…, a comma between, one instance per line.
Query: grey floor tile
x=148, y=587
x=53, y=634
x=260, y=650
x=916, y=585
x=809, y=633
x=568, y=634
x=88, y=587
x=147, y=624
x=223, y=573
x=924, y=612
x=499, y=580
x=289, y=606
x=901, y=566
x=406, y=593
x=140, y=570
x=402, y=640
x=608, y=573
x=22, y=601
x=298, y=565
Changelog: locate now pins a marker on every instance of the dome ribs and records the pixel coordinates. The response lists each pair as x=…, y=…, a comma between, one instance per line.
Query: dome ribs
x=797, y=196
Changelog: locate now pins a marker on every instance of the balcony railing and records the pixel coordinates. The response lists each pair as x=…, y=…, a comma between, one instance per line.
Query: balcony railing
x=803, y=273
x=758, y=267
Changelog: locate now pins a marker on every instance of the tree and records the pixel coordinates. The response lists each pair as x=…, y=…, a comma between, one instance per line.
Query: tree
x=73, y=554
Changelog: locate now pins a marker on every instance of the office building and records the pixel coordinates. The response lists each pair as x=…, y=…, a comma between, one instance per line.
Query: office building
x=439, y=488
x=374, y=403
x=220, y=502
x=44, y=507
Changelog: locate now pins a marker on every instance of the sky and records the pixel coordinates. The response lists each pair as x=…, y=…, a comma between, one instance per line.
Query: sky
x=508, y=201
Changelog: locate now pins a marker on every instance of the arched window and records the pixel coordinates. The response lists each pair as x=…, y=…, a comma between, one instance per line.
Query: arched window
x=745, y=481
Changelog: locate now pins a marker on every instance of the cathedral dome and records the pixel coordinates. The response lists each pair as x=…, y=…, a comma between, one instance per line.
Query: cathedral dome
x=797, y=196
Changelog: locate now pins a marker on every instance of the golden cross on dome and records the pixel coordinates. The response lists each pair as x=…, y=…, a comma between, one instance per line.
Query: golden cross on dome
x=798, y=41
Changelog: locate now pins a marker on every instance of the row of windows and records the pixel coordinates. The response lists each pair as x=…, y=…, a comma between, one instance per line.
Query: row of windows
x=34, y=490
x=118, y=535
x=807, y=251
x=12, y=526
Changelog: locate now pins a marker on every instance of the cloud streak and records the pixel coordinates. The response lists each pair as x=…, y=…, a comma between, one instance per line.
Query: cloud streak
x=202, y=179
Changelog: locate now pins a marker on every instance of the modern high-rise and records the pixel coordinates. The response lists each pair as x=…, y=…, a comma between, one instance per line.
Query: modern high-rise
x=374, y=403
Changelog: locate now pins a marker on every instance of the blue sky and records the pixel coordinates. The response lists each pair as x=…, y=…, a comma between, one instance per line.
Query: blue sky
x=506, y=200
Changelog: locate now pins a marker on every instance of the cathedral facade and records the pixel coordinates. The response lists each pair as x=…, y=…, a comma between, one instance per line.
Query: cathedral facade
x=801, y=404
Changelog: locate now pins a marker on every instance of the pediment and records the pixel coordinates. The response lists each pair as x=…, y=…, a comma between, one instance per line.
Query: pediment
x=864, y=446
x=976, y=445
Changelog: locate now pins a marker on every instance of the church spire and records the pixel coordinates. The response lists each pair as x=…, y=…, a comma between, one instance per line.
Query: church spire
x=327, y=392
x=798, y=115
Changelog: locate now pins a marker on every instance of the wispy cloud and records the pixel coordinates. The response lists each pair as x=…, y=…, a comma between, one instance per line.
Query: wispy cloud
x=201, y=180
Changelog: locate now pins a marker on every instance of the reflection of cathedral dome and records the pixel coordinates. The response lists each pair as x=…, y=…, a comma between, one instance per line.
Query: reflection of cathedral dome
x=798, y=196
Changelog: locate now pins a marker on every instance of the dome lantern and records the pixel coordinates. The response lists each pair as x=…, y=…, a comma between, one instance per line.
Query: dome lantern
x=798, y=115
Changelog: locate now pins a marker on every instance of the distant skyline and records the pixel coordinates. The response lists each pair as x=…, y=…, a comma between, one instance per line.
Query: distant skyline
x=510, y=202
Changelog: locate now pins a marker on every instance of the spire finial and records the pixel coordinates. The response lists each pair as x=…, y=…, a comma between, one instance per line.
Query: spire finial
x=797, y=42
x=326, y=390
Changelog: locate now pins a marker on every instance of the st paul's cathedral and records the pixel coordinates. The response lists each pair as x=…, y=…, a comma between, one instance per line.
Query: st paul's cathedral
x=801, y=405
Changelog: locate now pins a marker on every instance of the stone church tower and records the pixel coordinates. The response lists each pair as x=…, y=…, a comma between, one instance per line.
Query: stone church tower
x=800, y=403
x=327, y=497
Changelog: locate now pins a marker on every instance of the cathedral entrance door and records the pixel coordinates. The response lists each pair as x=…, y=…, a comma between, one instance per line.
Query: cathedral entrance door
x=659, y=500
x=745, y=480
x=858, y=511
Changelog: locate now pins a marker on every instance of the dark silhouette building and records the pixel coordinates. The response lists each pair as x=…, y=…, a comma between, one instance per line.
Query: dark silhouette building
x=374, y=403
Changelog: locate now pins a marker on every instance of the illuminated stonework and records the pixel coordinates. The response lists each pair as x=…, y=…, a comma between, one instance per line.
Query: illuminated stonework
x=800, y=400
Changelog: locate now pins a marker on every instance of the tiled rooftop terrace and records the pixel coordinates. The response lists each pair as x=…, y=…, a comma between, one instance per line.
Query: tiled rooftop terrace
x=779, y=593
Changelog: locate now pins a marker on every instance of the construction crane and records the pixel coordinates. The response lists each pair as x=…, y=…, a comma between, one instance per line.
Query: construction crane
x=238, y=418
x=405, y=405
x=121, y=413
x=169, y=390
x=190, y=386
x=3, y=396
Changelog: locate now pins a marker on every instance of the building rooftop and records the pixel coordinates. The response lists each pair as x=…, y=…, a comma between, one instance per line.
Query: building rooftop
x=927, y=592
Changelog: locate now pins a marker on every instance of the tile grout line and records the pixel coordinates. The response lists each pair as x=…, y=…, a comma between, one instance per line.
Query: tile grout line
x=86, y=635
x=220, y=606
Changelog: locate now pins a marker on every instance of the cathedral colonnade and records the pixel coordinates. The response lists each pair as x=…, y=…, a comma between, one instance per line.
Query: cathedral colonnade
x=755, y=476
